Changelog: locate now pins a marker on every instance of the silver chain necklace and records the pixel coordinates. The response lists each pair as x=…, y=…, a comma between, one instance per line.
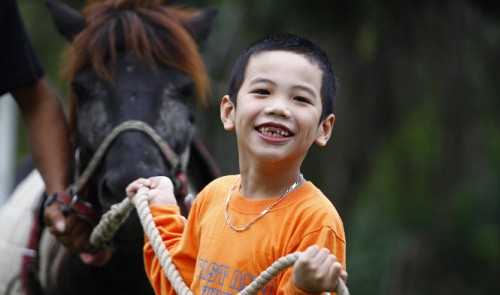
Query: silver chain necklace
x=291, y=188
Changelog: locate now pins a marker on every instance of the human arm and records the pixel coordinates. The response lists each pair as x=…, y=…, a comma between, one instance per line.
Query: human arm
x=22, y=75
x=48, y=133
x=46, y=126
x=317, y=270
x=49, y=141
x=316, y=222
x=171, y=225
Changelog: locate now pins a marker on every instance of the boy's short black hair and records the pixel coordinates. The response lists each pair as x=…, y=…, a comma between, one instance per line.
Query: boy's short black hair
x=296, y=44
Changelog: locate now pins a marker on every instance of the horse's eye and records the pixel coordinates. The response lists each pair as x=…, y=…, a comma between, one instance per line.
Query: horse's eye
x=187, y=90
x=79, y=89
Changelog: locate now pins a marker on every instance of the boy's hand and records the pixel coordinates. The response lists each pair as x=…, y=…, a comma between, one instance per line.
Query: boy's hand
x=317, y=271
x=161, y=190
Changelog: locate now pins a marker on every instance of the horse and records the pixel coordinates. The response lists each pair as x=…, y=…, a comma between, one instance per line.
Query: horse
x=136, y=73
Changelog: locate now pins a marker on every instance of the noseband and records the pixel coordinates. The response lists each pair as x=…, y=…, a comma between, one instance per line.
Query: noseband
x=178, y=163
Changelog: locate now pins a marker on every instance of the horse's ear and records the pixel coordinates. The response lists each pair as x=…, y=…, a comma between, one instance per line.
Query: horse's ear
x=201, y=23
x=69, y=22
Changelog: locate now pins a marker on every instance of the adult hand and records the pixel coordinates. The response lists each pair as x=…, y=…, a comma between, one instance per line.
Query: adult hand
x=73, y=233
x=317, y=271
x=69, y=230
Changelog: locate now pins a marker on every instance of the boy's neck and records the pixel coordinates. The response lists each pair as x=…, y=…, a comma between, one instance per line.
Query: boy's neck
x=261, y=184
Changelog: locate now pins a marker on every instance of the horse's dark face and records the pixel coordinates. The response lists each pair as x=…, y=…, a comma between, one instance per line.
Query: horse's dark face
x=158, y=97
x=107, y=45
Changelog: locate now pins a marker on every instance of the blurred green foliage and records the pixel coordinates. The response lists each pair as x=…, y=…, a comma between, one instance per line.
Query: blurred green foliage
x=414, y=163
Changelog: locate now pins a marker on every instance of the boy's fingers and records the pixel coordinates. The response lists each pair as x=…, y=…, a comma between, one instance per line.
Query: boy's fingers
x=153, y=182
x=324, y=253
x=134, y=186
x=310, y=252
x=323, y=256
x=142, y=182
x=335, y=271
x=344, y=275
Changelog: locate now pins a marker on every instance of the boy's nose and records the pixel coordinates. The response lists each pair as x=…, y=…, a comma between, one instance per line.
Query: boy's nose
x=278, y=107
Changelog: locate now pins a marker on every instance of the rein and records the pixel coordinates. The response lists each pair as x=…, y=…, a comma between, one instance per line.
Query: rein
x=112, y=219
x=72, y=203
x=178, y=163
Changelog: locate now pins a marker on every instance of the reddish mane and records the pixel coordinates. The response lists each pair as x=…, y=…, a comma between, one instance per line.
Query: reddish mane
x=154, y=32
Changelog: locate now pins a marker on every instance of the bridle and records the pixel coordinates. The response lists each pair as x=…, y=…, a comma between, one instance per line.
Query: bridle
x=178, y=166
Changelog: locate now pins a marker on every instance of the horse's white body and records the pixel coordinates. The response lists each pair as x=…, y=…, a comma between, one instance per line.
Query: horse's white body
x=16, y=220
x=16, y=223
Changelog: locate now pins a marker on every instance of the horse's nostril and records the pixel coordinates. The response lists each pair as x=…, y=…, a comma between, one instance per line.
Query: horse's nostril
x=111, y=191
x=103, y=191
x=112, y=185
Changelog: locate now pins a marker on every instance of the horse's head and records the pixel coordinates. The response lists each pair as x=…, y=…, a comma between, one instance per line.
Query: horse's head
x=133, y=65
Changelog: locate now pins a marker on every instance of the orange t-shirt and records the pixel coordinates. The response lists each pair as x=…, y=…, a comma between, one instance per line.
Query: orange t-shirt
x=212, y=258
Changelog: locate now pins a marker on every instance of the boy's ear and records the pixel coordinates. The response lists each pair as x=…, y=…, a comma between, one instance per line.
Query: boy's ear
x=325, y=130
x=227, y=113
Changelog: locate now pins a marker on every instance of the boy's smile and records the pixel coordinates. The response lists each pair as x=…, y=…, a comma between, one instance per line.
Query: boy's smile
x=273, y=132
x=278, y=110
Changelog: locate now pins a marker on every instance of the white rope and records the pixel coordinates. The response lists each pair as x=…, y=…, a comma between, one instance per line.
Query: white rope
x=104, y=231
x=173, y=275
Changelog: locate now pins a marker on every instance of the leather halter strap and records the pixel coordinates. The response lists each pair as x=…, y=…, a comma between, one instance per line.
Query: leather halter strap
x=81, y=208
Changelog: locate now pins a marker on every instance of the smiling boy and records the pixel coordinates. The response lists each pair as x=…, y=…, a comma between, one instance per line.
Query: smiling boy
x=280, y=102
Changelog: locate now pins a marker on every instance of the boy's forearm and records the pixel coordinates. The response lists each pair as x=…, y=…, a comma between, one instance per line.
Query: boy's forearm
x=170, y=225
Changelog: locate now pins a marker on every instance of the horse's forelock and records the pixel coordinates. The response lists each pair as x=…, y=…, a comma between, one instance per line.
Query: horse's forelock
x=140, y=22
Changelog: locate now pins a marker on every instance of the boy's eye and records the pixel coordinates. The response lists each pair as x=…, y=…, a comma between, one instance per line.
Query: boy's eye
x=261, y=92
x=302, y=99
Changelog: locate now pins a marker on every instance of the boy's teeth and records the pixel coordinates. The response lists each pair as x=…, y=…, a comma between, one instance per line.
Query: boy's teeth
x=274, y=133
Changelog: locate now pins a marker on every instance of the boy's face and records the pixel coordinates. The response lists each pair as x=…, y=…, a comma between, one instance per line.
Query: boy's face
x=278, y=108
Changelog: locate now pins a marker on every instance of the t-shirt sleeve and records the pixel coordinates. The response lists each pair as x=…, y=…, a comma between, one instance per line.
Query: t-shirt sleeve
x=170, y=225
x=18, y=61
x=326, y=237
x=180, y=238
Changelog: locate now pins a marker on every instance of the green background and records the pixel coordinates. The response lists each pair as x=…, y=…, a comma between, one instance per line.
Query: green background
x=414, y=163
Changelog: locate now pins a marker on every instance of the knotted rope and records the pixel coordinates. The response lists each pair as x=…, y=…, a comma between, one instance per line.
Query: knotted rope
x=111, y=220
